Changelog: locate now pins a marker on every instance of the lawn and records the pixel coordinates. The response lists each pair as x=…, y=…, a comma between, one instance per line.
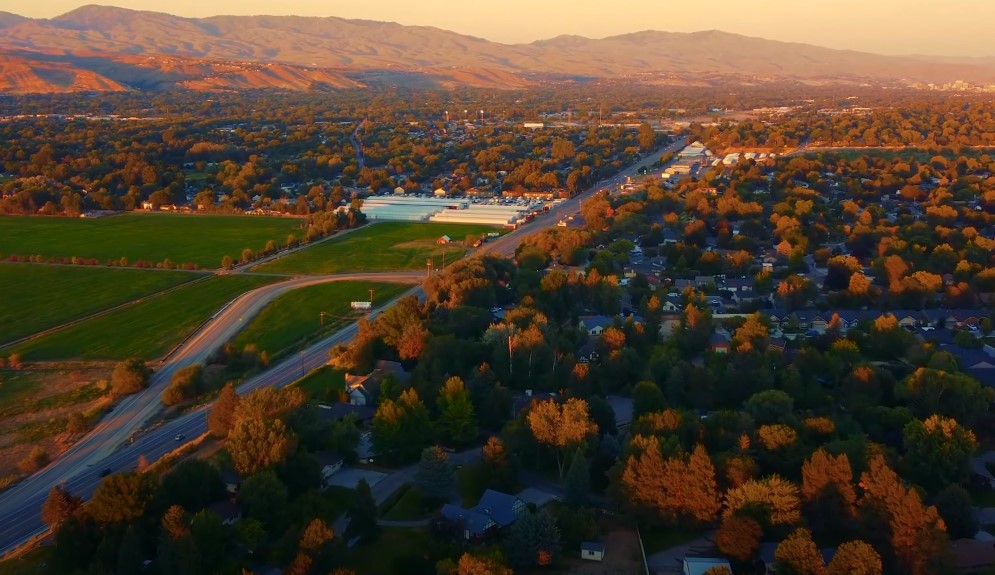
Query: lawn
x=393, y=546
x=202, y=240
x=38, y=297
x=323, y=384
x=309, y=313
x=32, y=563
x=379, y=247
x=658, y=539
x=408, y=507
x=148, y=329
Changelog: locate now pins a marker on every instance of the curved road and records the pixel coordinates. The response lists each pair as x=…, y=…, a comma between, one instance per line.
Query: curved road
x=79, y=468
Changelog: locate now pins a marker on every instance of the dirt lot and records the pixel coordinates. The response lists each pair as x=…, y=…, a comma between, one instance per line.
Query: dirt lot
x=35, y=405
x=622, y=556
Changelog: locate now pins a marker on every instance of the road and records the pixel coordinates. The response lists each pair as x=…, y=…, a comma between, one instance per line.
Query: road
x=79, y=467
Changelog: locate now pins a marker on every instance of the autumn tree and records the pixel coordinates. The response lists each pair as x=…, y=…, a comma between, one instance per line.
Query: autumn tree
x=827, y=488
x=121, y=497
x=916, y=533
x=221, y=418
x=472, y=565
x=752, y=335
x=401, y=428
x=775, y=498
x=255, y=444
x=315, y=535
x=855, y=558
x=798, y=555
x=129, y=376
x=59, y=506
x=496, y=467
x=457, y=421
x=561, y=427
x=739, y=537
x=674, y=489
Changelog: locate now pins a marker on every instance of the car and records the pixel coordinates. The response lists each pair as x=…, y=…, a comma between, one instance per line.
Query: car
x=179, y=437
x=927, y=328
x=107, y=471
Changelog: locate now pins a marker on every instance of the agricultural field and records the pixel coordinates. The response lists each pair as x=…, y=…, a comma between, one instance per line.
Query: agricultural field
x=309, y=313
x=380, y=247
x=35, y=406
x=38, y=297
x=196, y=239
x=147, y=329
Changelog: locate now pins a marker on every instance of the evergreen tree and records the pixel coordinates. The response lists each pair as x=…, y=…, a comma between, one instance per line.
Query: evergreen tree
x=457, y=421
x=362, y=515
x=434, y=477
x=577, y=483
x=130, y=558
x=534, y=540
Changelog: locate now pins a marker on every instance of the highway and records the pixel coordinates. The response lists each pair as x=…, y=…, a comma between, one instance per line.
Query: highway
x=80, y=466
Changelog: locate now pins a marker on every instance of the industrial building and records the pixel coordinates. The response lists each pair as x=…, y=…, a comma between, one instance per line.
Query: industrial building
x=448, y=210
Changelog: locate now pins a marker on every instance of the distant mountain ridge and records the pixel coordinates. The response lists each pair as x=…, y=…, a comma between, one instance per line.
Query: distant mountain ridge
x=99, y=43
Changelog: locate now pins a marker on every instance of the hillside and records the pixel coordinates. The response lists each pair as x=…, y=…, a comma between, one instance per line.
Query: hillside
x=94, y=41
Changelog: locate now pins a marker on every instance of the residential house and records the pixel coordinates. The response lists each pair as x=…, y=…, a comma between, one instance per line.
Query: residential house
x=339, y=411
x=670, y=305
x=699, y=565
x=495, y=510
x=444, y=240
x=592, y=550
x=232, y=480
x=363, y=390
x=719, y=343
x=227, y=510
x=595, y=325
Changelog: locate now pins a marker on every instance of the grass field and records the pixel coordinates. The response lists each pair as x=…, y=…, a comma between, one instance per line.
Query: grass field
x=295, y=316
x=147, y=329
x=323, y=384
x=394, y=545
x=384, y=246
x=38, y=297
x=202, y=240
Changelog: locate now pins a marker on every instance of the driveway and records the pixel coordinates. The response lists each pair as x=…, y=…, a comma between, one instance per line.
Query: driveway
x=349, y=477
x=978, y=465
x=670, y=560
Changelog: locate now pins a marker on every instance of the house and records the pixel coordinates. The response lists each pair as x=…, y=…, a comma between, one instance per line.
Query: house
x=594, y=325
x=330, y=465
x=671, y=306
x=363, y=389
x=495, y=510
x=232, y=480
x=592, y=551
x=699, y=565
x=522, y=402
x=147, y=205
x=339, y=411
x=227, y=510
x=444, y=240
x=719, y=343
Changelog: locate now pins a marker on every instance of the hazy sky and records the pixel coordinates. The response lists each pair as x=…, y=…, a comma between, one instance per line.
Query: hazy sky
x=938, y=27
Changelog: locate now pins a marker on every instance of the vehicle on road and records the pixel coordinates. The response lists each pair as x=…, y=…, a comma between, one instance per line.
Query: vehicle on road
x=107, y=471
x=179, y=437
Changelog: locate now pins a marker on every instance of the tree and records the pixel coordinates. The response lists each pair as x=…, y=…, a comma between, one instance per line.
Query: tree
x=265, y=497
x=362, y=515
x=401, y=428
x=560, y=427
x=776, y=499
x=855, y=558
x=192, y=484
x=954, y=505
x=255, y=444
x=221, y=418
x=495, y=466
x=129, y=376
x=121, y=497
x=209, y=537
x=938, y=451
x=315, y=535
x=130, y=558
x=35, y=460
x=577, y=483
x=798, y=555
x=717, y=570
x=534, y=540
x=931, y=392
x=470, y=565
x=226, y=262
x=739, y=537
x=457, y=421
x=827, y=487
x=646, y=398
x=184, y=385
x=434, y=477
x=249, y=532
x=769, y=406
x=59, y=506
x=672, y=488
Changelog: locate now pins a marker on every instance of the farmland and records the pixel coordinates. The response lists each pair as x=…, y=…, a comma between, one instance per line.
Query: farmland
x=195, y=239
x=379, y=247
x=296, y=316
x=147, y=329
x=38, y=297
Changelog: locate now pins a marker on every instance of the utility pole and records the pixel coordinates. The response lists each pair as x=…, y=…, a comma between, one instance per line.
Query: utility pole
x=371, y=297
x=428, y=262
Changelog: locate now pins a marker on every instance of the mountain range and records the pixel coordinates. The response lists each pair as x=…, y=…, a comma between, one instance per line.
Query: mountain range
x=106, y=48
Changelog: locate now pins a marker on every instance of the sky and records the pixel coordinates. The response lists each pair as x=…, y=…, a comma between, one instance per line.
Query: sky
x=894, y=27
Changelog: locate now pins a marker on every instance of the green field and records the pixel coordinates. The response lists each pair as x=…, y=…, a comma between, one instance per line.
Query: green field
x=38, y=297
x=295, y=316
x=323, y=384
x=202, y=240
x=379, y=247
x=148, y=329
